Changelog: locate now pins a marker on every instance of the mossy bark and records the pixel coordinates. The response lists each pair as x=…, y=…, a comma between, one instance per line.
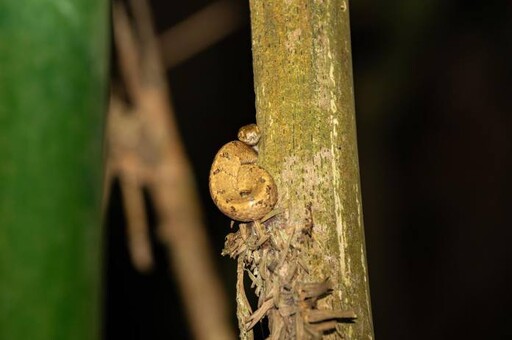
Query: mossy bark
x=53, y=58
x=305, y=108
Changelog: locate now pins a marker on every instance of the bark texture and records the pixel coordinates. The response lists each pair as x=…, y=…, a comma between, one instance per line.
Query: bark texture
x=305, y=108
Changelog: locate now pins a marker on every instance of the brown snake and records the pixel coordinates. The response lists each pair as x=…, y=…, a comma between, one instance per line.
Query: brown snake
x=240, y=188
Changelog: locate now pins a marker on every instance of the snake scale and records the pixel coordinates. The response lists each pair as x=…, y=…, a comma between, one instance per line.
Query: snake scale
x=239, y=187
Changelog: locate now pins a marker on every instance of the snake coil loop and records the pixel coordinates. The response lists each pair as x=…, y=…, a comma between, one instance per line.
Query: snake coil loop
x=239, y=187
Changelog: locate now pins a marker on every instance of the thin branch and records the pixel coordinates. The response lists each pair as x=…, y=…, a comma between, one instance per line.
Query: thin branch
x=135, y=210
x=145, y=151
x=201, y=30
x=126, y=48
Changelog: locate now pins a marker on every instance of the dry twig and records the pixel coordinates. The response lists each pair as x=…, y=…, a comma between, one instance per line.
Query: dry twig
x=201, y=30
x=270, y=254
x=145, y=151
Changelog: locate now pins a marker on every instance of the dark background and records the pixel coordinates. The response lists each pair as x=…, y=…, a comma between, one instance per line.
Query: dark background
x=432, y=88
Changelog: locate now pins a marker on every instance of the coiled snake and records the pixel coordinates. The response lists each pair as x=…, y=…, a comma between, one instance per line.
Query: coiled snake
x=240, y=188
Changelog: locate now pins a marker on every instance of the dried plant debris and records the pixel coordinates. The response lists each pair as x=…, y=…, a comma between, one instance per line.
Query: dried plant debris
x=271, y=258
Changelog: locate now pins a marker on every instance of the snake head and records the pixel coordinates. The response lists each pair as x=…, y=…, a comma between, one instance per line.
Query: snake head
x=249, y=134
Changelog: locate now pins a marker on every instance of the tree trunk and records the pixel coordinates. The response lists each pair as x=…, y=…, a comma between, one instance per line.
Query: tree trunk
x=305, y=108
x=52, y=99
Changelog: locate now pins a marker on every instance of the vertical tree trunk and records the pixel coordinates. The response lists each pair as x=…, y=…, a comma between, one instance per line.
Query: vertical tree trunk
x=52, y=99
x=305, y=108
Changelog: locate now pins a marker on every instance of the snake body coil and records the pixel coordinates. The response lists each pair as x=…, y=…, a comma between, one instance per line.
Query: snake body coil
x=240, y=188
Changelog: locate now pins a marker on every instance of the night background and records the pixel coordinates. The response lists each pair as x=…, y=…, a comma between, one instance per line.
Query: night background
x=433, y=81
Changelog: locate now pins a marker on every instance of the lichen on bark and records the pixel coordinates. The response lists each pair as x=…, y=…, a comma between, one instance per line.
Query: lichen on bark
x=305, y=108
